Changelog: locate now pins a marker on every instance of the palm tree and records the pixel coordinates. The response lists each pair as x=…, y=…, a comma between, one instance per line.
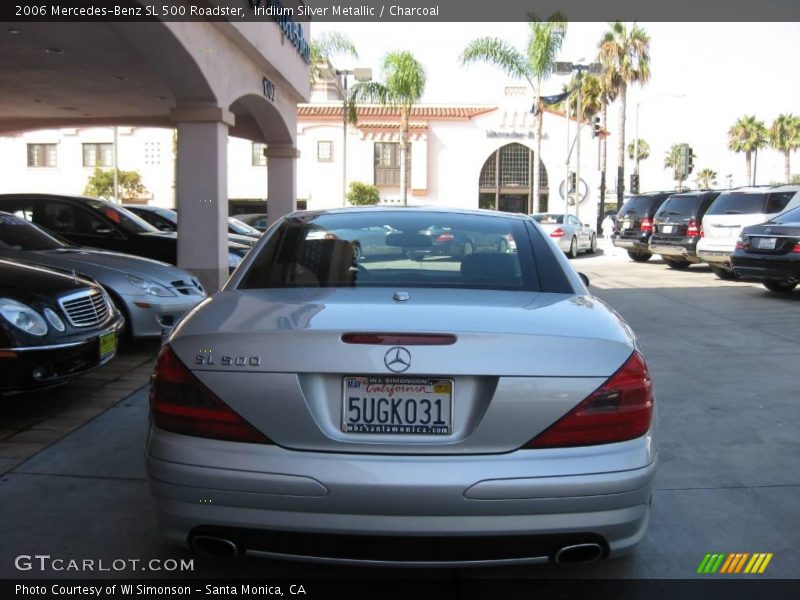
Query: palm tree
x=644, y=150
x=405, y=84
x=672, y=159
x=706, y=178
x=591, y=97
x=324, y=47
x=747, y=135
x=534, y=65
x=784, y=136
x=625, y=54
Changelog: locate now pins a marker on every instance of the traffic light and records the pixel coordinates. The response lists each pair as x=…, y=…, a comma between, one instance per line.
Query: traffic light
x=573, y=182
x=689, y=160
x=683, y=161
x=634, y=183
x=596, y=127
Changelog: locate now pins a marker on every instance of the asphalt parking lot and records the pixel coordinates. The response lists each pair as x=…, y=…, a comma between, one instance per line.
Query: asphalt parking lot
x=723, y=356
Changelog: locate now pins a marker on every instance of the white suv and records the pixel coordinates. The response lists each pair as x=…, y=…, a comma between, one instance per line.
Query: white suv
x=733, y=210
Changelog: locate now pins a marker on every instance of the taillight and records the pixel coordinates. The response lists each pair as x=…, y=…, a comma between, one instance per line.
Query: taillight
x=557, y=233
x=702, y=231
x=445, y=237
x=621, y=409
x=645, y=225
x=180, y=403
x=692, y=230
x=740, y=243
x=796, y=248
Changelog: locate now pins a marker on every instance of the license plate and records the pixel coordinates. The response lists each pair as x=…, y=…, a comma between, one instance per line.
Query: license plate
x=626, y=224
x=108, y=344
x=765, y=243
x=397, y=405
x=667, y=229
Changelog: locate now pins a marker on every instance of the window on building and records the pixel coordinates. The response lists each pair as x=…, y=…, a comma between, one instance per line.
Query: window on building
x=98, y=155
x=41, y=155
x=259, y=159
x=387, y=163
x=514, y=165
x=324, y=151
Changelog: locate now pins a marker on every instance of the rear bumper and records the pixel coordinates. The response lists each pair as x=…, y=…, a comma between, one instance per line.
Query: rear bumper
x=633, y=244
x=679, y=249
x=766, y=267
x=720, y=258
x=459, y=501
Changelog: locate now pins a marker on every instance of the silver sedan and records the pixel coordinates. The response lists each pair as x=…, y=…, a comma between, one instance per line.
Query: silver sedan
x=463, y=410
x=568, y=232
x=151, y=295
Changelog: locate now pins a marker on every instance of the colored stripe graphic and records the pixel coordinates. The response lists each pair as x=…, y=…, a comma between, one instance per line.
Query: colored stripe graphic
x=735, y=562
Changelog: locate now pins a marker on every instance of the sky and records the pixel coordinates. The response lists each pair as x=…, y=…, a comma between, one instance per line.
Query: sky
x=721, y=71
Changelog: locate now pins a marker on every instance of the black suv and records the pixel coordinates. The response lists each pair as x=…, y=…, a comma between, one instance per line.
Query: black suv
x=677, y=226
x=635, y=224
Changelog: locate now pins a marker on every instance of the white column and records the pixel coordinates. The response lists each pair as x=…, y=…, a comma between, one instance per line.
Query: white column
x=202, y=193
x=281, y=180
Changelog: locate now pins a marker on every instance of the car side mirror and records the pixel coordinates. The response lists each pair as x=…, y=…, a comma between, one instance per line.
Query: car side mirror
x=584, y=279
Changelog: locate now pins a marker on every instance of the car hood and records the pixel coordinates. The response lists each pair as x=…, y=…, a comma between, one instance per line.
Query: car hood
x=24, y=281
x=542, y=334
x=100, y=263
x=232, y=244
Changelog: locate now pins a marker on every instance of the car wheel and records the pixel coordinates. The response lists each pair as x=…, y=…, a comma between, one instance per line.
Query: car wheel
x=573, y=248
x=723, y=273
x=677, y=264
x=781, y=287
x=468, y=248
x=593, y=245
x=639, y=256
x=358, y=253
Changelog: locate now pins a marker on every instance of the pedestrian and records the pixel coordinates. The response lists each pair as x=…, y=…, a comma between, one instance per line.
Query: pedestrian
x=608, y=227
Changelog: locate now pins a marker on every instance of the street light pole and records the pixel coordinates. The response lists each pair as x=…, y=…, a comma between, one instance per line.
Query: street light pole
x=361, y=74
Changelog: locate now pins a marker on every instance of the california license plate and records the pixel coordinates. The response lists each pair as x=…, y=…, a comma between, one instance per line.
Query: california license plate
x=108, y=344
x=397, y=405
x=668, y=229
x=765, y=243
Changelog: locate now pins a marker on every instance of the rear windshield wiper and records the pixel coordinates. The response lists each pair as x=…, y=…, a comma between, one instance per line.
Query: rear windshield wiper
x=733, y=212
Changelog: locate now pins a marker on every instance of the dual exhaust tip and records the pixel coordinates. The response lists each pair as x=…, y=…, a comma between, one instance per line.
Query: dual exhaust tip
x=224, y=548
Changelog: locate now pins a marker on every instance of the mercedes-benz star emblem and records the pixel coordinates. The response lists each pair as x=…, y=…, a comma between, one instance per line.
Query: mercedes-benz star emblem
x=397, y=359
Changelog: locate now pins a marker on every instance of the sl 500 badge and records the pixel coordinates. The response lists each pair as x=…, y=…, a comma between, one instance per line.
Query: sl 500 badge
x=227, y=361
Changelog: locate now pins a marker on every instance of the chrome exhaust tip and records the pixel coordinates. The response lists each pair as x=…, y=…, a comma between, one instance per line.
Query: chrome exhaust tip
x=579, y=553
x=215, y=546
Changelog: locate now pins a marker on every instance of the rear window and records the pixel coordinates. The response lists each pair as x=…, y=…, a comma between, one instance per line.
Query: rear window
x=679, y=206
x=749, y=203
x=397, y=249
x=790, y=216
x=637, y=205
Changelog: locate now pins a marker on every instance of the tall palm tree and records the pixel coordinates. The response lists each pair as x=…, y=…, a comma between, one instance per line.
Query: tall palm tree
x=784, y=136
x=747, y=135
x=404, y=85
x=326, y=46
x=534, y=65
x=672, y=159
x=644, y=150
x=706, y=178
x=591, y=97
x=625, y=54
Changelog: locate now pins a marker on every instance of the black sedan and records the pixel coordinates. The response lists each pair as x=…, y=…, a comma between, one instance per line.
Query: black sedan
x=770, y=252
x=54, y=326
x=102, y=224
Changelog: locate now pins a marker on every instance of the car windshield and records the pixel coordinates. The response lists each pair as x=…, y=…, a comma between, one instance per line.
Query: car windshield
x=18, y=234
x=398, y=249
x=790, y=216
x=122, y=217
x=549, y=219
x=237, y=226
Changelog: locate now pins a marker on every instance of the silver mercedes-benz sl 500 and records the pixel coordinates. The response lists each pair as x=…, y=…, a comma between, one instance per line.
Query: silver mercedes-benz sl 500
x=403, y=407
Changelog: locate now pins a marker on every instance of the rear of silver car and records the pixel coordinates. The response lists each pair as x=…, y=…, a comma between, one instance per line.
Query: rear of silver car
x=429, y=427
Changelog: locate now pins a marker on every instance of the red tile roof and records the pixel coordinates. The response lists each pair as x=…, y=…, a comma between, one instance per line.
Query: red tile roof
x=323, y=111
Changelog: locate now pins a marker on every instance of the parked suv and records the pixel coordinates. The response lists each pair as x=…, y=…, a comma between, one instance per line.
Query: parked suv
x=676, y=227
x=733, y=210
x=634, y=224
